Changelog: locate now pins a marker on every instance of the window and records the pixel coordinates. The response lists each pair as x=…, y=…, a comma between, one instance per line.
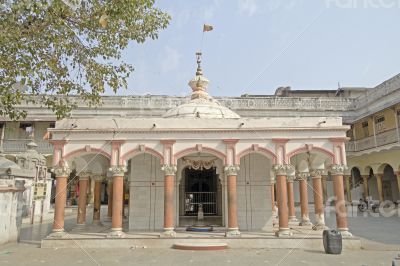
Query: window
x=379, y=123
x=25, y=130
x=52, y=125
x=365, y=129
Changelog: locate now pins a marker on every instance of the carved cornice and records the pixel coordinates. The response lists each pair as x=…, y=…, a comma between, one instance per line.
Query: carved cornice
x=199, y=164
x=317, y=173
x=337, y=169
x=284, y=169
x=118, y=170
x=231, y=170
x=169, y=169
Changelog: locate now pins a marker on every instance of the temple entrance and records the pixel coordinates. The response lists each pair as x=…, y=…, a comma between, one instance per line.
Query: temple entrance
x=200, y=187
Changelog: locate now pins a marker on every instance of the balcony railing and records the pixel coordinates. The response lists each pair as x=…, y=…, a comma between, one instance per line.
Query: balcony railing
x=19, y=145
x=381, y=139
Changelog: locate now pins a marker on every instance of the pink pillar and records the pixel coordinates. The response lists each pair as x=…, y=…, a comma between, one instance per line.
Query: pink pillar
x=305, y=218
x=318, y=200
x=231, y=172
x=116, y=220
x=169, y=182
x=97, y=201
x=340, y=202
x=290, y=193
x=83, y=185
x=282, y=199
x=62, y=172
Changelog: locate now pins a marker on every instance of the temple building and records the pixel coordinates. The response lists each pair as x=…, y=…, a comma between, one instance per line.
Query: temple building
x=156, y=160
x=201, y=153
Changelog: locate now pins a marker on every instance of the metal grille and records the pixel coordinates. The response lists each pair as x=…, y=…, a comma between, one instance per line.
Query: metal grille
x=207, y=199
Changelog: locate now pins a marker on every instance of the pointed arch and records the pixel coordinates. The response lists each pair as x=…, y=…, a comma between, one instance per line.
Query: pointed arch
x=84, y=151
x=134, y=152
x=255, y=149
x=192, y=150
x=314, y=149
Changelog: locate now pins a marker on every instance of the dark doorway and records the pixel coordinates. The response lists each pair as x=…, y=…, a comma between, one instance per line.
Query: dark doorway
x=201, y=188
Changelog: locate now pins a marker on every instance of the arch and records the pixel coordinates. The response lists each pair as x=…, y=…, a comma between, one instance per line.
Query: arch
x=263, y=151
x=134, y=152
x=314, y=149
x=83, y=151
x=368, y=169
x=382, y=167
x=189, y=151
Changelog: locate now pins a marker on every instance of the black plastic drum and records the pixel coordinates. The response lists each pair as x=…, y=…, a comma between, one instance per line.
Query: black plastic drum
x=332, y=242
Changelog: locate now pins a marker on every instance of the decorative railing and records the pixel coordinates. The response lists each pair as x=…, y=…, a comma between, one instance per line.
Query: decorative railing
x=208, y=201
x=387, y=137
x=19, y=145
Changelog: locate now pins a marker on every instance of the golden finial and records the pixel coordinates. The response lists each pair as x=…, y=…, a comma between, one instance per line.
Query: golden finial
x=199, y=72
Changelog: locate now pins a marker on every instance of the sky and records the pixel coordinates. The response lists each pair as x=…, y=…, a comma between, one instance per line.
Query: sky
x=259, y=45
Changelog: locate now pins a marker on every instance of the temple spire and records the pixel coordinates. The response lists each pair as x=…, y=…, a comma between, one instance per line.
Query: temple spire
x=199, y=83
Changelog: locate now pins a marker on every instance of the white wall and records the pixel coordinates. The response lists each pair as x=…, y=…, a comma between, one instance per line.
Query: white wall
x=254, y=192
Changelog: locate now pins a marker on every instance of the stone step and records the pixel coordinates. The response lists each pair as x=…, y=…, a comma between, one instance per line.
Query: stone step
x=200, y=246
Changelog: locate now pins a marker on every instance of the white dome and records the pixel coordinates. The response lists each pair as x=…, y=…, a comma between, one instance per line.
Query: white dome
x=201, y=108
x=201, y=105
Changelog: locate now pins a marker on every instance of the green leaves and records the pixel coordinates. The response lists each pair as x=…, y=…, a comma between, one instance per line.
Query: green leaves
x=68, y=47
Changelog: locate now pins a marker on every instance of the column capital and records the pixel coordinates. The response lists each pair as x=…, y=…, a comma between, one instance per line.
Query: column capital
x=290, y=178
x=97, y=177
x=302, y=176
x=85, y=175
x=62, y=170
x=337, y=169
x=231, y=170
x=284, y=169
x=117, y=170
x=169, y=169
x=317, y=173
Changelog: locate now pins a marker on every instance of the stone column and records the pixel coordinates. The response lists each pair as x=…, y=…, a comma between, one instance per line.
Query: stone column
x=337, y=171
x=379, y=185
x=324, y=188
x=305, y=218
x=316, y=176
x=62, y=172
x=365, y=185
x=110, y=197
x=231, y=172
x=169, y=182
x=97, y=200
x=273, y=198
x=116, y=220
x=290, y=193
x=398, y=180
x=82, y=200
x=281, y=196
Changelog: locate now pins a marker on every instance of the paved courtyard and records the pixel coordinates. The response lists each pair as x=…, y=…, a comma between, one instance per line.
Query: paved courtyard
x=378, y=231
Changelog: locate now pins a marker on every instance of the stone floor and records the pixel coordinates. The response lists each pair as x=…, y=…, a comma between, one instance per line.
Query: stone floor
x=379, y=252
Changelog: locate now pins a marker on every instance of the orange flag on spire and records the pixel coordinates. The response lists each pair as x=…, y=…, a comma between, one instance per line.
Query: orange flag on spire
x=207, y=28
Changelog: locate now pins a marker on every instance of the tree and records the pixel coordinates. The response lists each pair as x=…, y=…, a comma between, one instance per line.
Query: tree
x=53, y=48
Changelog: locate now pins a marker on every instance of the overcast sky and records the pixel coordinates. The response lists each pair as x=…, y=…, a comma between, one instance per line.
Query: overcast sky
x=259, y=45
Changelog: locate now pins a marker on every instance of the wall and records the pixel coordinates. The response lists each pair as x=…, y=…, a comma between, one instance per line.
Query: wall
x=254, y=192
x=146, y=184
x=10, y=210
